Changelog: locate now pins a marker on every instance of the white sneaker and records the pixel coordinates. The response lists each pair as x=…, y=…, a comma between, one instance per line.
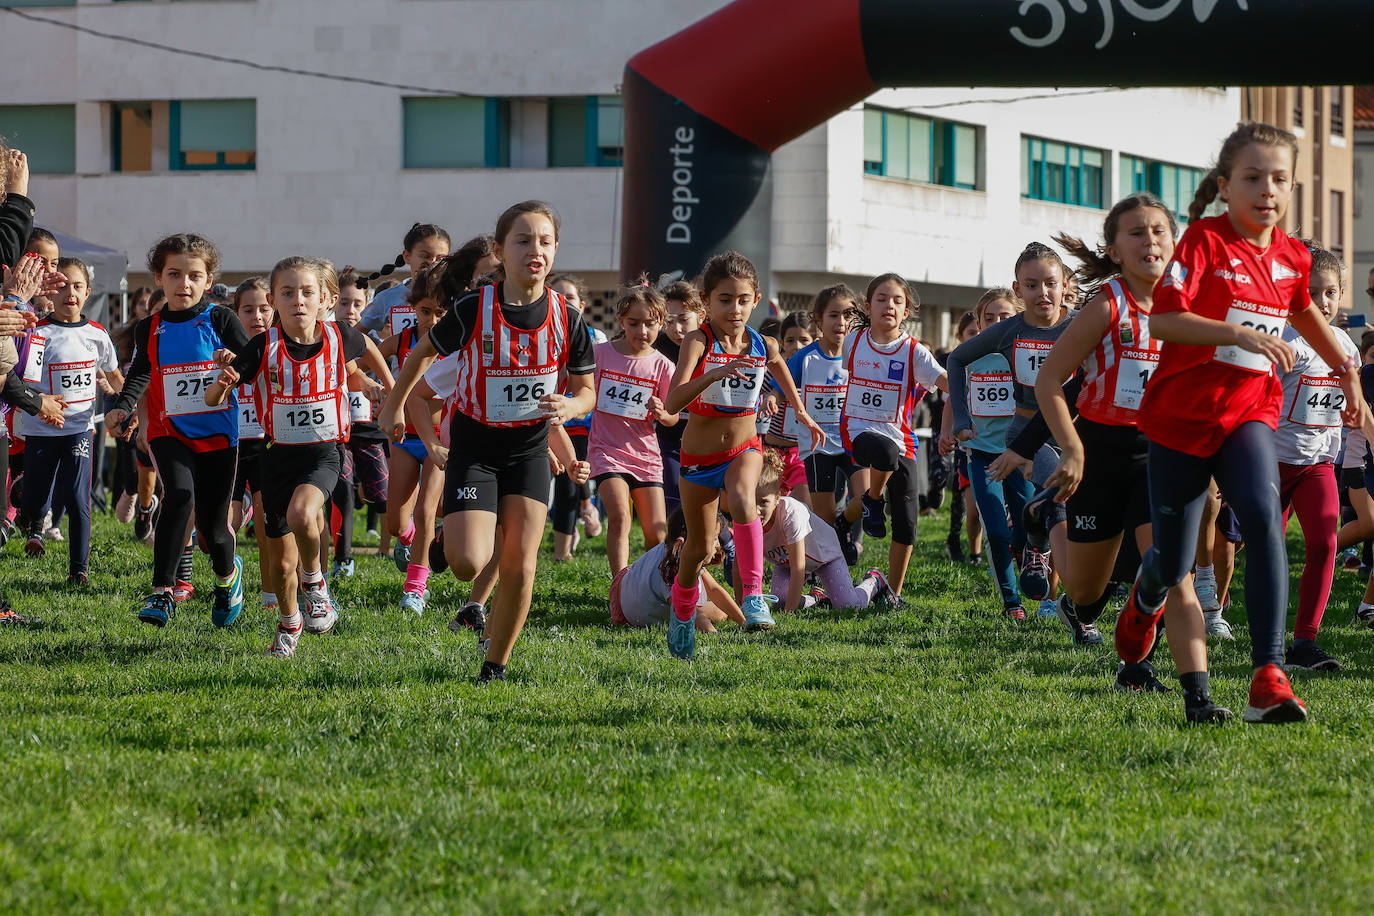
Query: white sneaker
x=124, y=508
x=1207, y=594
x=284, y=643
x=320, y=613
x=1217, y=625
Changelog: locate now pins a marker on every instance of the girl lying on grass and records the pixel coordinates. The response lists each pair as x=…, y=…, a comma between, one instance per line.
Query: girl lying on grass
x=641, y=593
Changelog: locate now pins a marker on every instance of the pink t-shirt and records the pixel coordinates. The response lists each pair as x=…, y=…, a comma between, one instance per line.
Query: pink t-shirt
x=794, y=522
x=622, y=438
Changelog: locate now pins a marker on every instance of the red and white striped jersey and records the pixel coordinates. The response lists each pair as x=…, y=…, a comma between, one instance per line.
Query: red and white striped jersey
x=306, y=402
x=1114, y=376
x=504, y=371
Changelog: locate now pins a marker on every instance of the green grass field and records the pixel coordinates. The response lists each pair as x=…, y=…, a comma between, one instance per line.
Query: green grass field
x=937, y=757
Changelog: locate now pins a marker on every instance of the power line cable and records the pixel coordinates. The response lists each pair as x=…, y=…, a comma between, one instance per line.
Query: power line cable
x=236, y=61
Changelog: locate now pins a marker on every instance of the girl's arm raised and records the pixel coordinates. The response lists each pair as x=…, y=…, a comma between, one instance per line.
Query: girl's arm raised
x=1073, y=346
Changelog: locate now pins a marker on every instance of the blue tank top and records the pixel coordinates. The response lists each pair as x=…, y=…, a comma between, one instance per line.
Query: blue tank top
x=182, y=354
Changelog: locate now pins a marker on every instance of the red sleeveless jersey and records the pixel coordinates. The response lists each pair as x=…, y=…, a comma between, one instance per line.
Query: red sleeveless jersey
x=304, y=402
x=1114, y=376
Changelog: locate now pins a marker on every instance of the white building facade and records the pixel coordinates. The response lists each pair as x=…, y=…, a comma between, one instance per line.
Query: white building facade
x=132, y=143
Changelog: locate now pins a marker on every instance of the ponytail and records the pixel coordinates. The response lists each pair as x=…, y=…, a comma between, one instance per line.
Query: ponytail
x=1095, y=267
x=417, y=233
x=1207, y=192
x=672, y=559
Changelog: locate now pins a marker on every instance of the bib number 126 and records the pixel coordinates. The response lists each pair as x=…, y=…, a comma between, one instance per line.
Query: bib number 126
x=523, y=391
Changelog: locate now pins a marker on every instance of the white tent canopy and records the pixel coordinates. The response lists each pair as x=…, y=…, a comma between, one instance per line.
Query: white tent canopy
x=109, y=277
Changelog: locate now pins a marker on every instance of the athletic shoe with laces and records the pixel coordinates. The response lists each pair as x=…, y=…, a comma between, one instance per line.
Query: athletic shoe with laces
x=1207, y=593
x=591, y=520
x=124, y=508
x=1015, y=612
x=78, y=579
x=320, y=611
x=285, y=642
x=682, y=636
x=158, y=608
x=1217, y=626
x=1350, y=559
x=182, y=591
x=34, y=546
x=882, y=594
x=875, y=517
x=1136, y=629
x=345, y=568
x=471, y=616
x=1048, y=608
x=400, y=555
x=1138, y=678
x=1308, y=656
x=819, y=598
x=228, y=601
x=1200, y=710
x=954, y=550
x=1364, y=617
x=143, y=519
x=1033, y=520
x=1035, y=574
x=756, y=614
x=844, y=530
x=9, y=617
x=1272, y=699
x=412, y=603
x=1083, y=634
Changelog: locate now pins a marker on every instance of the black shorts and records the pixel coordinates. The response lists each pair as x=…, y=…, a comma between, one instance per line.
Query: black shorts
x=874, y=450
x=1114, y=495
x=144, y=459
x=286, y=467
x=634, y=483
x=823, y=471
x=1228, y=526
x=478, y=484
x=1352, y=478
x=249, y=473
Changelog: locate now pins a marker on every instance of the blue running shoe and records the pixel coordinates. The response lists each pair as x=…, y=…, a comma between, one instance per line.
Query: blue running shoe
x=345, y=569
x=412, y=603
x=756, y=615
x=875, y=517
x=400, y=554
x=228, y=598
x=1035, y=574
x=682, y=636
x=157, y=609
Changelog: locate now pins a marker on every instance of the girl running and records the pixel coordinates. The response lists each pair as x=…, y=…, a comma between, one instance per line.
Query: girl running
x=62, y=356
x=719, y=379
x=799, y=544
x=632, y=381
x=820, y=376
x=391, y=310
x=194, y=448
x=300, y=371
x=989, y=404
x=889, y=372
x=1235, y=282
x=1308, y=442
x=781, y=434
x=512, y=341
x=641, y=595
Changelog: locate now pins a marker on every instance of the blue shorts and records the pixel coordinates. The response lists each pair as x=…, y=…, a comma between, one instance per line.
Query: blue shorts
x=709, y=470
x=413, y=446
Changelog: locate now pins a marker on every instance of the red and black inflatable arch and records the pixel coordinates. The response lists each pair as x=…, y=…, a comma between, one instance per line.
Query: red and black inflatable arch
x=705, y=109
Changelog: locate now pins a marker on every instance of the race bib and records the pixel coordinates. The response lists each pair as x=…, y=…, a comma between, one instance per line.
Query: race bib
x=1319, y=401
x=402, y=317
x=989, y=395
x=250, y=426
x=1266, y=319
x=1132, y=373
x=304, y=419
x=183, y=388
x=736, y=393
x=359, y=407
x=1029, y=356
x=874, y=401
x=825, y=403
x=623, y=395
x=33, y=365
x=74, y=381
x=513, y=394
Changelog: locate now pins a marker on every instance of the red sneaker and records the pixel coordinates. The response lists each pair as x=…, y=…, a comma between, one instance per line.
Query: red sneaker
x=1271, y=698
x=182, y=591
x=1136, y=630
x=1015, y=612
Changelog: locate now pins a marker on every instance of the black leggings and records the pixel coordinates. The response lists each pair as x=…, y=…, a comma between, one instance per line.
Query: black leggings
x=1247, y=471
x=202, y=479
x=568, y=496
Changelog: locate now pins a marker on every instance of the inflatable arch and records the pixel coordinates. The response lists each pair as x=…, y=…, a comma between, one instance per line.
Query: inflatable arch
x=706, y=108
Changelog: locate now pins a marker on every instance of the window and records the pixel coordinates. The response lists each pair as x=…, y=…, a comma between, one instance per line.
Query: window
x=46, y=134
x=898, y=145
x=131, y=135
x=212, y=134
x=1176, y=185
x=1337, y=111
x=1062, y=173
x=39, y=3
x=1336, y=234
x=455, y=133
x=586, y=131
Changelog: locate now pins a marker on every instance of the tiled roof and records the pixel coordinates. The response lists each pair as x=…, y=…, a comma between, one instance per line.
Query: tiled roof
x=1364, y=107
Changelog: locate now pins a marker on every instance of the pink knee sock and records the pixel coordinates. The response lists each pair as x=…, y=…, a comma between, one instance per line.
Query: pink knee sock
x=749, y=556
x=684, y=601
x=417, y=577
x=409, y=534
